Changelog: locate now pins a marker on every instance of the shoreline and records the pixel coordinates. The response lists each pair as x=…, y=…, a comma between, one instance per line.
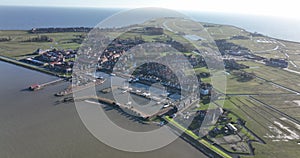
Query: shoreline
x=55, y=29
x=35, y=121
x=28, y=66
x=200, y=147
x=250, y=31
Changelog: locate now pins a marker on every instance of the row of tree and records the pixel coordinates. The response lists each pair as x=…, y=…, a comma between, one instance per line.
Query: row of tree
x=39, y=38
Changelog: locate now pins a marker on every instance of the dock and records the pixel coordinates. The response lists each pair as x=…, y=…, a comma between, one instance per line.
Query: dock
x=127, y=108
x=52, y=82
x=35, y=87
x=71, y=89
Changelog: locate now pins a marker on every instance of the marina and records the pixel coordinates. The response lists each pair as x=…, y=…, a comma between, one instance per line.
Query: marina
x=58, y=64
x=43, y=127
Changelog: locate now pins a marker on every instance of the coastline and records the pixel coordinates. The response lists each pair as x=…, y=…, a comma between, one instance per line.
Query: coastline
x=40, y=69
x=28, y=66
x=34, y=126
x=212, y=151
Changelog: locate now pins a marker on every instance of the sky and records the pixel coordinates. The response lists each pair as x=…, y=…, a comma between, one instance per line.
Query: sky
x=277, y=8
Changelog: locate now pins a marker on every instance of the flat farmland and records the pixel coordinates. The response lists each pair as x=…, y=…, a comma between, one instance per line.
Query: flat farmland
x=276, y=75
x=17, y=48
x=254, y=86
x=289, y=104
x=224, y=31
x=280, y=135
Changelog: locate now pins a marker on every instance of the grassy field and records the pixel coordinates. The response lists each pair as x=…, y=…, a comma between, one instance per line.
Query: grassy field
x=279, y=76
x=254, y=86
x=259, y=119
x=225, y=31
x=202, y=141
x=288, y=104
x=242, y=108
x=262, y=45
x=17, y=48
x=279, y=49
x=147, y=38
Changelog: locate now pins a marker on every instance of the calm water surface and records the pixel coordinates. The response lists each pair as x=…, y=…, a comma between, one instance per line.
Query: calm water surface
x=33, y=126
x=25, y=18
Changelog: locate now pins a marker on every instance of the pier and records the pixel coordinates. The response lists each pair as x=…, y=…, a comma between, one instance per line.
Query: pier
x=35, y=87
x=71, y=89
x=51, y=82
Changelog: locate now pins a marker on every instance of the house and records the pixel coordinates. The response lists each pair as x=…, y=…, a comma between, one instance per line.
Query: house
x=154, y=30
x=39, y=51
x=281, y=63
x=34, y=62
x=204, y=91
x=232, y=127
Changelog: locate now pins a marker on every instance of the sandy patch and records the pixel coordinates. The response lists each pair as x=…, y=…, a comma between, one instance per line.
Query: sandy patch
x=293, y=134
x=295, y=124
x=297, y=102
x=279, y=135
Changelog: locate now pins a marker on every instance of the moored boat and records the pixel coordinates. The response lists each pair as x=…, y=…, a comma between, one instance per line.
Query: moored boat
x=34, y=87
